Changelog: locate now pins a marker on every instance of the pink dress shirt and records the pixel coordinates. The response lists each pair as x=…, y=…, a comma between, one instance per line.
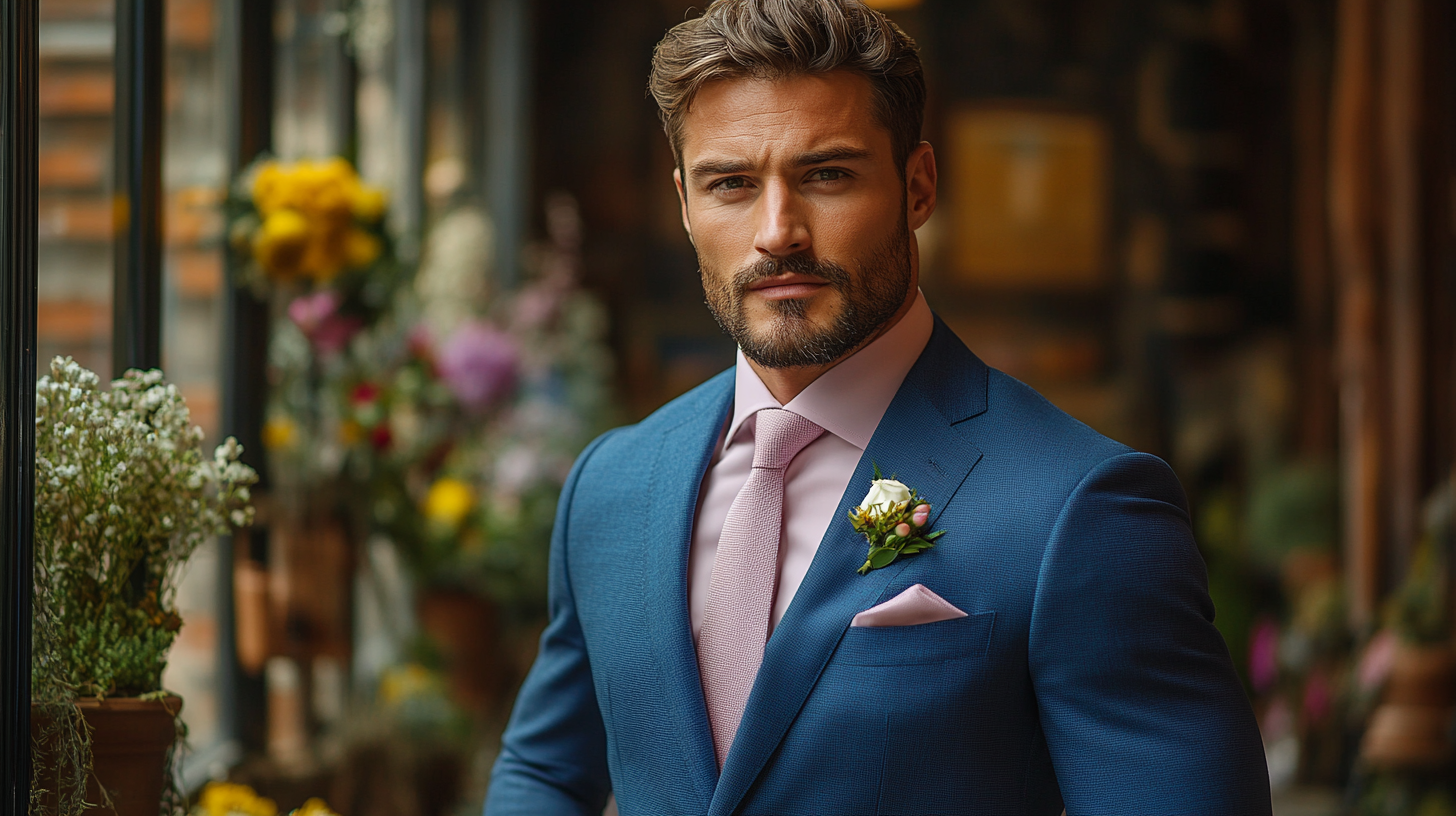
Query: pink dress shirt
x=847, y=401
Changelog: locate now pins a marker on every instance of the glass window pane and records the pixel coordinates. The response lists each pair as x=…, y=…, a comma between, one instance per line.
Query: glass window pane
x=74, y=225
x=194, y=177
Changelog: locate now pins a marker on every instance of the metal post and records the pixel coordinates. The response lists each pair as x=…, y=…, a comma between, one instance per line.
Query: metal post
x=136, y=332
x=508, y=154
x=247, y=36
x=18, y=115
x=343, y=84
x=410, y=57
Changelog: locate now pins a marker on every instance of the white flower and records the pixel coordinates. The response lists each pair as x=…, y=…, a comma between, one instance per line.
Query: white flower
x=884, y=494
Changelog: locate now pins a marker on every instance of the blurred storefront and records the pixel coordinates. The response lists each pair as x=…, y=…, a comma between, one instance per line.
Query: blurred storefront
x=1222, y=231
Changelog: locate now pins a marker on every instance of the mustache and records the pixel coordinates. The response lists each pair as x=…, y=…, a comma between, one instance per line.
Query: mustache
x=832, y=273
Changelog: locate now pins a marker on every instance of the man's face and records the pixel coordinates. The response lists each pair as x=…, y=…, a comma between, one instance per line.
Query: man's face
x=793, y=200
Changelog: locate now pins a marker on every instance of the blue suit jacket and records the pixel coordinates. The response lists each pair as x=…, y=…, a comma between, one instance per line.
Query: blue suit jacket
x=1088, y=671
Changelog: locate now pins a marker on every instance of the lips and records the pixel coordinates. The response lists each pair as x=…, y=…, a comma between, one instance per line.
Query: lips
x=785, y=287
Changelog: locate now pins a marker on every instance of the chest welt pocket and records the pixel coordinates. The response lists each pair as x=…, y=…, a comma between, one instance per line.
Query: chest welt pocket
x=940, y=642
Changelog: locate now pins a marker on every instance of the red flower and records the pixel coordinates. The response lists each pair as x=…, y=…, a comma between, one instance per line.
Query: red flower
x=380, y=437
x=364, y=393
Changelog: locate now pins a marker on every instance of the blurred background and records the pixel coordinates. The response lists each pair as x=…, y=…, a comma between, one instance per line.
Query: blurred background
x=1222, y=231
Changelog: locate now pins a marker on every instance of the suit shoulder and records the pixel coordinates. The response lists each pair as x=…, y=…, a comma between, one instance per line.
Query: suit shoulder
x=1022, y=421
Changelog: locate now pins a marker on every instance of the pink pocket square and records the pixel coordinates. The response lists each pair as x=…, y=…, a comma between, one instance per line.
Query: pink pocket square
x=915, y=605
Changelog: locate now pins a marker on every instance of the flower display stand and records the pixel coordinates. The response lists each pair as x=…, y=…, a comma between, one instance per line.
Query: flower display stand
x=130, y=738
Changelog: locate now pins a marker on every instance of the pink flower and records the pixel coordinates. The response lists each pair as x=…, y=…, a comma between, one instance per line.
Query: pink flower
x=310, y=311
x=478, y=364
x=421, y=344
x=536, y=306
x=335, y=332
x=902, y=529
x=1377, y=660
x=317, y=316
x=1317, y=698
x=1264, y=655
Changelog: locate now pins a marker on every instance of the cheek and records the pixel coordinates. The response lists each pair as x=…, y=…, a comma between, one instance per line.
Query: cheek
x=721, y=242
x=845, y=228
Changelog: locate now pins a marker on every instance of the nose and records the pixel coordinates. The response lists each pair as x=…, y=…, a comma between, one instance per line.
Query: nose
x=783, y=226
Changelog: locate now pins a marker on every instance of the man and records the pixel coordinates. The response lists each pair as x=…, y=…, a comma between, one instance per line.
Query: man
x=713, y=646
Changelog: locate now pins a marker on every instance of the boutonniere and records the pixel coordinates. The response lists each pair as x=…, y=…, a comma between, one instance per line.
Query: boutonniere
x=892, y=518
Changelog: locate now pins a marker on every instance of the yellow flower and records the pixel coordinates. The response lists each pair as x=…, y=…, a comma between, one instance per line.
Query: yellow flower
x=361, y=248
x=323, y=258
x=328, y=189
x=281, y=243
x=351, y=432
x=315, y=807
x=267, y=184
x=368, y=203
x=229, y=799
x=448, y=502
x=403, y=682
x=279, y=433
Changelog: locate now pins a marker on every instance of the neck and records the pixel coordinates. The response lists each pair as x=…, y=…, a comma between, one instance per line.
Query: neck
x=787, y=383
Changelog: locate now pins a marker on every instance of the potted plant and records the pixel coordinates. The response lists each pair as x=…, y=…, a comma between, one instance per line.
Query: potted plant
x=1411, y=727
x=124, y=495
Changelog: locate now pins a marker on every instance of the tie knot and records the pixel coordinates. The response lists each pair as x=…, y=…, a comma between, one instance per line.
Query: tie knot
x=778, y=437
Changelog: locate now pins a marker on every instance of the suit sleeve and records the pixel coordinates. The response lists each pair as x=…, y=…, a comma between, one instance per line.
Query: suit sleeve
x=1142, y=709
x=553, y=757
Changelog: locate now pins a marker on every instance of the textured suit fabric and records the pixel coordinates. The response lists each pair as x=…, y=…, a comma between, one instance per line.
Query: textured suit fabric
x=1086, y=674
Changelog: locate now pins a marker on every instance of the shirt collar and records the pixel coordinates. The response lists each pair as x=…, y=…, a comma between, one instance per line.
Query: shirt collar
x=849, y=399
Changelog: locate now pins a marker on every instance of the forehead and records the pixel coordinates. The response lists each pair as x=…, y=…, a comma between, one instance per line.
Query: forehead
x=753, y=118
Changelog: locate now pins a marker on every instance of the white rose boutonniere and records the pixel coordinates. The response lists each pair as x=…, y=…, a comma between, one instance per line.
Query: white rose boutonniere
x=884, y=493
x=892, y=518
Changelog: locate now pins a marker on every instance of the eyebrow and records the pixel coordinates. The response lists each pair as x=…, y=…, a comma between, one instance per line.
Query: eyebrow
x=830, y=154
x=723, y=167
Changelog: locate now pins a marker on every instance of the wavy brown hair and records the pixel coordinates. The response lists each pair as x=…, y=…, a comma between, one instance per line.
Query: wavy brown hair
x=774, y=39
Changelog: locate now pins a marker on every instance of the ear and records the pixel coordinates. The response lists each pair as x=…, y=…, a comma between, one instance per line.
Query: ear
x=682, y=199
x=920, y=179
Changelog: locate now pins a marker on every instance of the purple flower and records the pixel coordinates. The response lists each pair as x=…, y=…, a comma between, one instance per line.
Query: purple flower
x=1264, y=655
x=478, y=364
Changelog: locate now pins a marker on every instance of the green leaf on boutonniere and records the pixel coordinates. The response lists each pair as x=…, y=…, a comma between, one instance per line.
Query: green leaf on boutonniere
x=879, y=557
x=886, y=518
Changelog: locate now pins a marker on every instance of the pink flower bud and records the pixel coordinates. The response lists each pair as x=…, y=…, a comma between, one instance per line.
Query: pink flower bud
x=902, y=529
x=921, y=516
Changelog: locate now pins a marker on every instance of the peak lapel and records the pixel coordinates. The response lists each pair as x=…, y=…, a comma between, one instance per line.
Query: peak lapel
x=916, y=441
x=682, y=458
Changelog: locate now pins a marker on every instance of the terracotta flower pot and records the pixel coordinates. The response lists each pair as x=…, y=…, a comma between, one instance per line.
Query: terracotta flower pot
x=1423, y=676
x=1412, y=726
x=463, y=625
x=129, y=743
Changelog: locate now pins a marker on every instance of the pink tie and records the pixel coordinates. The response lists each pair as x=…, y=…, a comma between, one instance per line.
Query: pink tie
x=745, y=573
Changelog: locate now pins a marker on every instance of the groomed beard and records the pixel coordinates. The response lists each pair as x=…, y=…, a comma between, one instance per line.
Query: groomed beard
x=790, y=340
